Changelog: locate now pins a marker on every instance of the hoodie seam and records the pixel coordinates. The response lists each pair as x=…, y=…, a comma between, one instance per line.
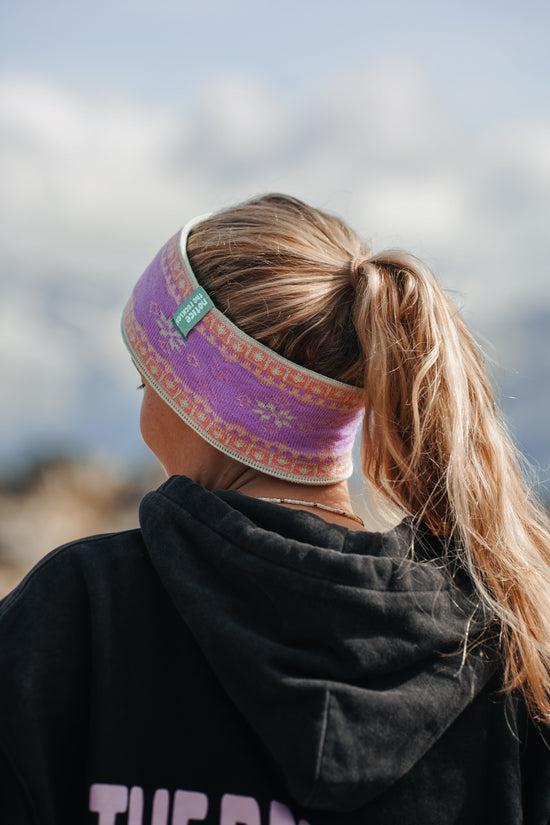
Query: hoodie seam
x=12, y=599
x=323, y=739
x=289, y=566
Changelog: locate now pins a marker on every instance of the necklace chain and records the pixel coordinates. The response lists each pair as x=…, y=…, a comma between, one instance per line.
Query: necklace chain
x=317, y=504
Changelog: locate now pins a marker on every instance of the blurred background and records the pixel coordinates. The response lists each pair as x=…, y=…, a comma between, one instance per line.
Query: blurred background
x=426, y=125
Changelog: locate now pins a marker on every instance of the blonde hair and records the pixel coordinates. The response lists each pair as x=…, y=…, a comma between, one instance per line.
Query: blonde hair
x=433, y=441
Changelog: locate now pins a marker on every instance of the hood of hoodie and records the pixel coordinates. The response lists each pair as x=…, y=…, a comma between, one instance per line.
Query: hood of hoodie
x=345, y=656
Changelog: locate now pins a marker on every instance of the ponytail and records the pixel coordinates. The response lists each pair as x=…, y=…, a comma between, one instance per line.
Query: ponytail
x=300, y=281
x=434, y=445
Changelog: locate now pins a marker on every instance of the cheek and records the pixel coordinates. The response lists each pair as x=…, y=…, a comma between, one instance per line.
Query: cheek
x=161, y=428
x=149, y=423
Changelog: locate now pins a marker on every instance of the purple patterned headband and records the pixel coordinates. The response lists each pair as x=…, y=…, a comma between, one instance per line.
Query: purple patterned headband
x=246, y=400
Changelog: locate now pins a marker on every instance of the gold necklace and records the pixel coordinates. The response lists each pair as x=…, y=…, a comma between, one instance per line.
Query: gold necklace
x=316, y=504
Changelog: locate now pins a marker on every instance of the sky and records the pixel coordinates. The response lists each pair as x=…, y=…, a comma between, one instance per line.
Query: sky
x=426, y=125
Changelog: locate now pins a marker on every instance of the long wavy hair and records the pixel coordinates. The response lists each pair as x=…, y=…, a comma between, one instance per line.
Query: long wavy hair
x=433, y=440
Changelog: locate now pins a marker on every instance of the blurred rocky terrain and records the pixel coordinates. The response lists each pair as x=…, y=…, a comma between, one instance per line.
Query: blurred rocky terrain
x=59, y=500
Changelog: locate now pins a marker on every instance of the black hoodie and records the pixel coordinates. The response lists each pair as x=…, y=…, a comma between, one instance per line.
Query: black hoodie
x=237, y=663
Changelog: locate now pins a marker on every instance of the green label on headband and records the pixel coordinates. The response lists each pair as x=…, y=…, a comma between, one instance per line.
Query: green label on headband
x=193, y=309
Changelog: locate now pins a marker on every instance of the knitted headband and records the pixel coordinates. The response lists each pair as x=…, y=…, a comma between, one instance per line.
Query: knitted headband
x=245, y=399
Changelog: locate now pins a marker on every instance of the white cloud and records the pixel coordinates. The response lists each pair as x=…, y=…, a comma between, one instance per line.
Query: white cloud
x=247, y=122
x=78, y=180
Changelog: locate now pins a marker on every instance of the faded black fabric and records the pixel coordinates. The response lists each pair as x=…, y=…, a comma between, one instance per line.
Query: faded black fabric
x=234, y=647
x=344, y=656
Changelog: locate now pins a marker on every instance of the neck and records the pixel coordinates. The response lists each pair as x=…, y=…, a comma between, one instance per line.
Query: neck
x=184, y=452
x=263, y=486
x=335, y=497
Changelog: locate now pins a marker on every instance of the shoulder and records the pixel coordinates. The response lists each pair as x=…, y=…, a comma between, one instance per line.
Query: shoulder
x=46, y=667
x=47, y=624
x=72, y=569
x=49, y=615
